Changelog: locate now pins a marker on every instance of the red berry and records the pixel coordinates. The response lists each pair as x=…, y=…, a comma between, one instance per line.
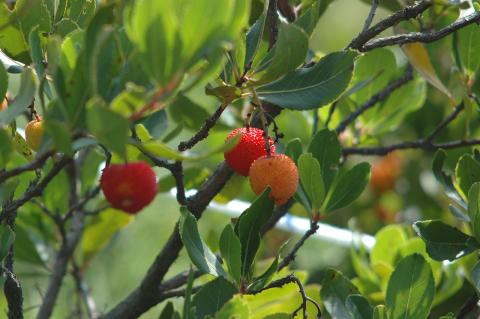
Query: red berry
x=129, y=187
x=250, y=147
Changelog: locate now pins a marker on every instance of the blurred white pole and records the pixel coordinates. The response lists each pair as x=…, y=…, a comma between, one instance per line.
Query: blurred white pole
x=298, y=225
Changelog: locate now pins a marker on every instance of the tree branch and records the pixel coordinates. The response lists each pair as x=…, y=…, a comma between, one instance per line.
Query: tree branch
x=292, y=254
x=424, y=37
x=379, y=97
x=33, y=165
x=459, y=108
x=401, y=15
x=371, y=15
x=66, y=249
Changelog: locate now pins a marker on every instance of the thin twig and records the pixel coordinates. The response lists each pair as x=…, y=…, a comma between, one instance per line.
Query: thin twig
x=37, y=163
x=371, y=15
x=424, y=37
x=84, y=292
x=459, y=108
x=401, y=15
x=379, y=97
x=292, y=254
x=272, y=20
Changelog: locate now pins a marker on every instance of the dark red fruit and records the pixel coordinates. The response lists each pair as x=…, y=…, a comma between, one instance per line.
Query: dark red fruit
x=250, y=147
x=129, y=187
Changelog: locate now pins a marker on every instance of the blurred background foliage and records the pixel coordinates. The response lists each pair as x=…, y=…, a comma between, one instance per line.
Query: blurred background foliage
x=402, y=189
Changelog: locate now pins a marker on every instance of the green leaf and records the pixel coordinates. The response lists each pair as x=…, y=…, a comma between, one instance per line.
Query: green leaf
x=387, y=243
x=199, y=253
x=167, y=312
x=60, y=133
x=212, y=296
x=185, y=111
x=100, y=231
x=311, y=178
x=379, y=63
x=359, y=307
x=249, y=225
x=108, y=126
x=22, y=100
x=65, y=26
x=129, y=101
x=290, y=51
x=25, y=248
x=162, y=150
x=12, y=40
x=475, y=276
x=445, y=179
x=294, y=149
x=444, y=241
x=31, y=14
x=310, y=88
x=3, y=82
x=236, y=308
x=230, y=250
x=309, y=18
x=467, y=172
x=261, y=281
x=7, y=236
x=327, y=150
x=469, y=48
x=349, y=186
x=474, y=209
x=6, y=148
x=188, y=310
x=334, y=293
x=254, y=36
x=411, y=289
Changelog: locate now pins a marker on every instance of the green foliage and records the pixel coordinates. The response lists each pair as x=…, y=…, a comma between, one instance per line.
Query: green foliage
x=335, y=293
x=212, y=296
x=469, y=48
x=230, y=248
x=7, y=236
x=22, y=100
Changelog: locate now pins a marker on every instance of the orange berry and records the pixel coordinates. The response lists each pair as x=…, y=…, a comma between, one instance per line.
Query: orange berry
x=385, y=173
x=277, y=171
x=3, y=105
x=34, y=133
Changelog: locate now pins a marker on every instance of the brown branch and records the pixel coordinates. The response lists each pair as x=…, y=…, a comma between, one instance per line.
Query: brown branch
x=37, y=163
x=401, y=15
x=84, y=292
x=450, y=118
x=379, y=97
x=293, y=253
x=12, y=288
x=272, y=21
x=66, y=249
x=424, y=37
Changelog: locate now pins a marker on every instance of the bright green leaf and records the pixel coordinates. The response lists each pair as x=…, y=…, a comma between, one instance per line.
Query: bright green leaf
x=231, y=252
x=212, y=296
x=334, y=293
x=467, y=172
x=22, y=100
x=469, y=48
x=311, y=179
x=327, y=150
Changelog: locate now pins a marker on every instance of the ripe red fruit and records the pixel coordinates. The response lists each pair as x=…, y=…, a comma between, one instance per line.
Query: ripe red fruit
x=250, y=147
x=277, y=171
x=129, y=187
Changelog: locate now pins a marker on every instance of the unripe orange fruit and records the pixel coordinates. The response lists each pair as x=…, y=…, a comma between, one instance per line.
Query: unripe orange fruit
x=34, y=133
x=385, y=173
x=277, y=171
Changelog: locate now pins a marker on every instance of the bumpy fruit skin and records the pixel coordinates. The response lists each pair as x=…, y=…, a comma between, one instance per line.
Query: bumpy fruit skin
x=34, y=133
x=277, y=171
x=129, y=187
x=250, y=147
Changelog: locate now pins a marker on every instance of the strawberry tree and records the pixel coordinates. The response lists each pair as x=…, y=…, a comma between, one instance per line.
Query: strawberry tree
x=111, y=108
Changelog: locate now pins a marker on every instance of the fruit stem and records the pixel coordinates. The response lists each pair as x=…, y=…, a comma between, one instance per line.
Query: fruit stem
x=263, y=120
x=34, y=112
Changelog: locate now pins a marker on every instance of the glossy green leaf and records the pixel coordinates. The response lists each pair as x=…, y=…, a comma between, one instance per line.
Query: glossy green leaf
x=22, y=100
x=311, y=179
x=313, y=87
x=327, y=150
x=212, y=296
x=336, y=288
x=100, y=231
x=359, y=307
x=310, y=16
x=348, y=187
x=467, y=172
x=230, y=250
x=31, y=14
x=446, y=179
x=254, y=36
x=249, y=225
x=469, y=48
x=108, y=126
x=445, y=242
x=411, y=289
x=6, y=148
x=290, y=51
x=200, y=255
x=7, y=236
x=294, y=149
x=185, y=111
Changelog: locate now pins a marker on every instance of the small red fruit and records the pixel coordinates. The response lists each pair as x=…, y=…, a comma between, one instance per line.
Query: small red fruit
x=277, y=171
x=250, y=147
x=129, y=187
